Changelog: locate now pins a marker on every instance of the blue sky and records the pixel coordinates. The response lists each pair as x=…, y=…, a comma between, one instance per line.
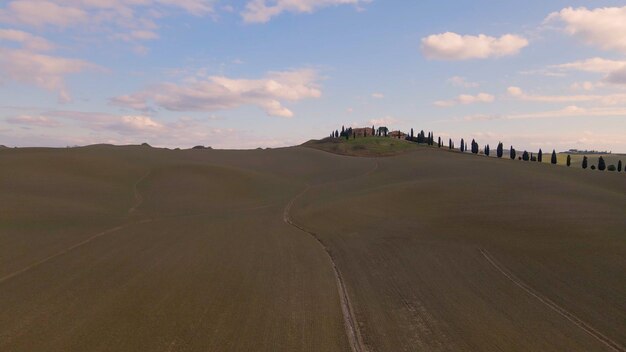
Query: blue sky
x=269, y=73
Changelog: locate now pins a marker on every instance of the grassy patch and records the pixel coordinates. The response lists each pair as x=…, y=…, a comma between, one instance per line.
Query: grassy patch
x=364, y=146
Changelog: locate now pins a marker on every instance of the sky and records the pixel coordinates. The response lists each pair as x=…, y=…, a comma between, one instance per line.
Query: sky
x=271, y=73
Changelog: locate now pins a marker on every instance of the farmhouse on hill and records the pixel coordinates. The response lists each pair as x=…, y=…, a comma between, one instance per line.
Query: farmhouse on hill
x=397, y=134
x=363, y=132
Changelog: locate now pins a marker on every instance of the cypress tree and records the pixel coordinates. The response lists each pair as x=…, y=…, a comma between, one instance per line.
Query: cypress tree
x=373, y=131
x=540, y=156
x=499, y=150
x=487, y=150
x=601, y=164
x=584, y=162
x=512, y=152
x=411, y=133
x=474, y=147
x=569, y=160
x=439, y=144
x=462, y=145
x=525, y=156
x=619, y=166
x=449, y=143
x=553, y=159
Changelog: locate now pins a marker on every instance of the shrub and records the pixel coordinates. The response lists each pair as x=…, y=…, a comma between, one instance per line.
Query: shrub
x=593, y=167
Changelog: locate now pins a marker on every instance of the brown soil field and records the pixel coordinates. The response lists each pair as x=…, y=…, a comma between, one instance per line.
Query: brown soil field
x=132, y=248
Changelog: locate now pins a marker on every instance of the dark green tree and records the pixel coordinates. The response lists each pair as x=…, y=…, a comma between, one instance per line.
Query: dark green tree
x=411, y=134
x=500, y=150
x=373, y=131
x=487, y=150
x=462, y=145
x=601, y=164
x=569, y=160
x=439, y=142
x=474, y=147
x=525, y=156
x=619, y=166
x=584, y=162
x=540, y=156
x=450, y=143
x=512, y=153
x=553, y=159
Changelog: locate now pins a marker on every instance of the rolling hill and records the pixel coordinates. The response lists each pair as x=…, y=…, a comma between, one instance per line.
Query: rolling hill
x=299, y=249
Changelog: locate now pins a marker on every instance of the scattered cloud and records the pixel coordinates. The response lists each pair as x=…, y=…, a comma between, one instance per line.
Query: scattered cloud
x=609, y=99
x=465, y=99
x=453, y=46
x=27, y=40
x=44, y=71
x=222, y=93
x=387, y=120
x=568, y=111
x=128, y=20
x=378, y=95
x=28, y=120
x=601, y=27
x=98, y=127
x=462, y=82
x=261, y=11
x=617, y=76
x=595, y=65
x=586, y=85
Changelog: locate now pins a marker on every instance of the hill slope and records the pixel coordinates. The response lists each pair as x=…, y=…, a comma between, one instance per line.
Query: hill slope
x=133, y=248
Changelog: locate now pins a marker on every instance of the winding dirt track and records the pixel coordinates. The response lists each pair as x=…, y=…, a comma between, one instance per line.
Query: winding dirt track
x=555, y=307
x=352, y=330
x=138, y=201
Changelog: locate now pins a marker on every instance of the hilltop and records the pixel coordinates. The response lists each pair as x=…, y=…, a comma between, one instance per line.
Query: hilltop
x=365, y=146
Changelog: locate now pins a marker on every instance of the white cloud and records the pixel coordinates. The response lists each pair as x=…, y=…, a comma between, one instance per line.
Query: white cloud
x=453, y=46
x=586, y=85
x=383, y=121
x=595, y=65
x=126, y=19
x=462, y=82
x=465, y=99
x=41, y=70
x=261, y=11
x=135, y=129
x=568, y=111
x=603, y=27
x=27, y=40
x=221, y=93
x=41, y=121
x=378, y=95
x=609, y=99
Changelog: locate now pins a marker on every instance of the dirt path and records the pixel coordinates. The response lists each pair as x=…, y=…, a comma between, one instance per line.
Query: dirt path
x=138, y=201
x=555, y=307
x=352, y=330
x=137, y=195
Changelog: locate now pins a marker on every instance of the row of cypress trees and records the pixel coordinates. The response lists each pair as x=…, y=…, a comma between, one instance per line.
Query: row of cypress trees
x=429, y=139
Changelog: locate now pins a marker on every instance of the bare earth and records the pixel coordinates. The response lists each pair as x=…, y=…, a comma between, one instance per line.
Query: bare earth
x=108, y=248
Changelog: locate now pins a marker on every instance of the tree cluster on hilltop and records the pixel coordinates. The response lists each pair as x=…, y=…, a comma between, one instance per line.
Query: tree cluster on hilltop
x=429, y=139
